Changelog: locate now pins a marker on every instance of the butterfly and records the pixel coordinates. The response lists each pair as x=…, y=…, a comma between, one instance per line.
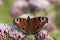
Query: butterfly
x=30, y=25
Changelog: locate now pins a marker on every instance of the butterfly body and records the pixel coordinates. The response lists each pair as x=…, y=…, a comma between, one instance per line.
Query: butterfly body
x=30, y=25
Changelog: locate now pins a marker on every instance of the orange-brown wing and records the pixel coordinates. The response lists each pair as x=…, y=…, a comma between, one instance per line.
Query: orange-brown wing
x=38, y=23
x=22, y=24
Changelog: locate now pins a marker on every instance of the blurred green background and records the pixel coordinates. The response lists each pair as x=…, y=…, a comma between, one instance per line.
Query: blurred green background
x=6, y=18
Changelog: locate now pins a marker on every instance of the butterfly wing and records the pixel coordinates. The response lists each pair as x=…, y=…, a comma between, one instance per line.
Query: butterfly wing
x=38, y=23
x=22, y=24
x=44, y=20
x=31, y=26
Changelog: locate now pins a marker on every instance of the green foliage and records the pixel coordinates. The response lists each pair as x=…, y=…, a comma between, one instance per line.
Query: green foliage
x=30, y=37
x=9, y=39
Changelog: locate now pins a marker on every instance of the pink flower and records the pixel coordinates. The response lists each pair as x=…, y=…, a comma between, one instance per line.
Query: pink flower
x=42, y=35
x=40, y=4
x=21, y=4
x=59, y=2
x=1, y=3
x=18, y=6
x=50, y=26
x=53, y=1
x=15, y=11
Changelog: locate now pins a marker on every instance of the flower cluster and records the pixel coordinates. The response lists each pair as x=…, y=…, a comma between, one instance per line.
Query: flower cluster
x=6, y=31
x=32, y=5
x=18, y=6
x=42, y=35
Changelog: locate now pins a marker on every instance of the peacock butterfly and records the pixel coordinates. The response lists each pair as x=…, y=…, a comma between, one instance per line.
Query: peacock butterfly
x=30, y=25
